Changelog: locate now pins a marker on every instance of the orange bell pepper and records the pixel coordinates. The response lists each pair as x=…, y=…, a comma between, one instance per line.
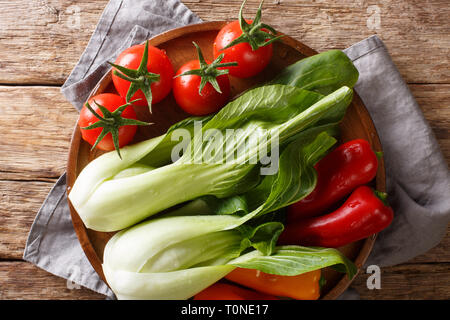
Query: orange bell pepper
x=302, y=287
x=225, y=291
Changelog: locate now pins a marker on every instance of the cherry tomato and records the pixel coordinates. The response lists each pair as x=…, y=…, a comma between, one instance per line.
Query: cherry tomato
x=158, y=63
x=111, y=102
x=249, y=62
x=186, y=91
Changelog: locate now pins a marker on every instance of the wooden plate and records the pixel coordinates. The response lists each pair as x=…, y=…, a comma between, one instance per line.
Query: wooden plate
x=178, y=45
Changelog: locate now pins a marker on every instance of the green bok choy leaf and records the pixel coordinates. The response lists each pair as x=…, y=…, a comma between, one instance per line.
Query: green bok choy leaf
x=322, y=73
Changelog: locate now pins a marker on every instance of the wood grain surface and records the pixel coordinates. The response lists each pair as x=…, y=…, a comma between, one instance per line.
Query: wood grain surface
x=55, y=32
x=39, y=50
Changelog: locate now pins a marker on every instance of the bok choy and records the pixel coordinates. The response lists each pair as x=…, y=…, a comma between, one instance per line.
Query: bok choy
x=175, y=257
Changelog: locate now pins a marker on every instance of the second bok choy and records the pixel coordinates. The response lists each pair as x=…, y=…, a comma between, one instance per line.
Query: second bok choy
x=177, y=256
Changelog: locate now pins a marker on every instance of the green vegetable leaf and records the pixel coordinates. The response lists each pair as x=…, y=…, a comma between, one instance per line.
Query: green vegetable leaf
x=295, y=179
x=263, y=237
x=232, y=205
x=161, y=154
x=323, y=73
x=295, y=260
x=296, y=176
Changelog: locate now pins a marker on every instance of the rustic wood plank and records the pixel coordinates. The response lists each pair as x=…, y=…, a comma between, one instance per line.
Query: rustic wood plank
x=435, y=104
x=438, y=254
x=411, y=281
x=36, y=125
x=44, y=44
x=19, y=203
x=22, y=280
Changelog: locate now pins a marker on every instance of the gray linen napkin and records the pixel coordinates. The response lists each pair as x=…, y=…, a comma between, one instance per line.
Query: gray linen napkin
x=418, y=179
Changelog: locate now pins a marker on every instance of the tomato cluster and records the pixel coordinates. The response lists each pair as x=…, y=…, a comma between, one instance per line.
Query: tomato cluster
x=143, y=75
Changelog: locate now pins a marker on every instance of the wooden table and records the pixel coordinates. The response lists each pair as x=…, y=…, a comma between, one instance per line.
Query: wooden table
x=41, y=40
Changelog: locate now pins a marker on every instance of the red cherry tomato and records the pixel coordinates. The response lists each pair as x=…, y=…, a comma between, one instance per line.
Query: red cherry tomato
x=185, y=91
x=158, y=62
x=111, y=102
x=249, y=62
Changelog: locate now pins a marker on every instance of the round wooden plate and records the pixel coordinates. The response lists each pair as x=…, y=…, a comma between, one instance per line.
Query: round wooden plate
x=178, y=45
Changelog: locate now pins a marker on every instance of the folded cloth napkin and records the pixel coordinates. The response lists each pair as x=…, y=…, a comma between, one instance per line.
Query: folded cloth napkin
x=418, y=179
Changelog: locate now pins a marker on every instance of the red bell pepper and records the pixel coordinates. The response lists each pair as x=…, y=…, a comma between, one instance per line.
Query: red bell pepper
x=364, y=213
x=348, y=166
x=225, y=291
